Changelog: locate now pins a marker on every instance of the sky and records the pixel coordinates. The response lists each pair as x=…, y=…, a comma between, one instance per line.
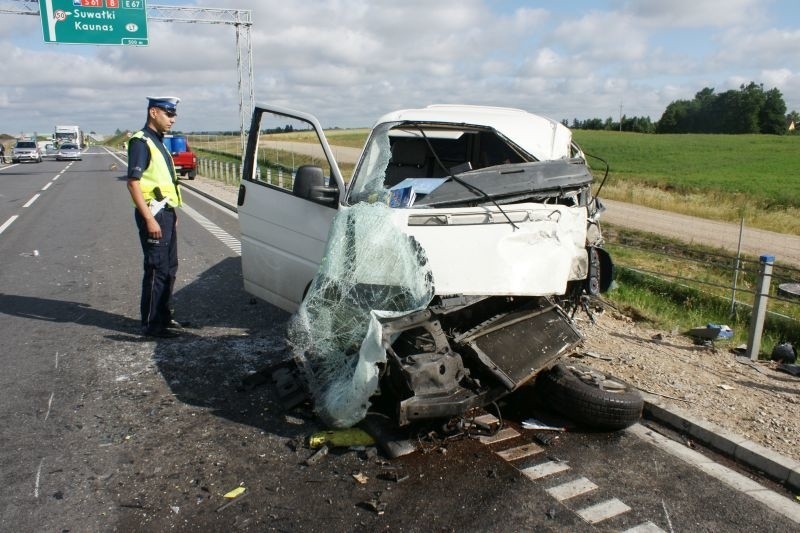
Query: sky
x=350, y=61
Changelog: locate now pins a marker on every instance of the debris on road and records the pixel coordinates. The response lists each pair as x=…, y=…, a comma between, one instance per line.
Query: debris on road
x=532, y=423
x=232, y=501
x=375, y=504
x=393, y=474
x=235, y=492
x=317, y=456
x=341, y=438
x=784, y=353
x=711, y=332
x=593, y=355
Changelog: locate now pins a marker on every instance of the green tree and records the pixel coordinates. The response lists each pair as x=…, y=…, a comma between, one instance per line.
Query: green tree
x=748, y=110
x=772, y=118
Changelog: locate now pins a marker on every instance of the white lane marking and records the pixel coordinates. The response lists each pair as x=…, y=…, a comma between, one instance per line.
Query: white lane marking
x=8, y=222
x=773, y=500
x=231, y=242
x=12, y=165
x=568, y=490
x=57, y=176
x=228, y=212
x=520, y=452
x=49, y=405
x=47, y=186
x=38, y=476
x=35, y=197
x=56, y=360
x=545, y=469
x=603, y=511
x=115, y=156
x=487, y=419
x=647, y=527
x=503, y=434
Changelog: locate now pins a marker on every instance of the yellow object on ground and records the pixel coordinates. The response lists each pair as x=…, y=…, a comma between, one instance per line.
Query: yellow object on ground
x=238, y=491
x=341, y=437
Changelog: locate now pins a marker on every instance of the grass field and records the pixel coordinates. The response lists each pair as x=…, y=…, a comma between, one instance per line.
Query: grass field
x=721, y=177
x=761, y=166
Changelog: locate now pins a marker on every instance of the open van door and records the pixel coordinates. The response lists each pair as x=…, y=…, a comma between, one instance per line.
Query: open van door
x=290, y=191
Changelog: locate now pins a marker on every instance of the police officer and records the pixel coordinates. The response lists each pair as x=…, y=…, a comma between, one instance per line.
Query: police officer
x=153, y=185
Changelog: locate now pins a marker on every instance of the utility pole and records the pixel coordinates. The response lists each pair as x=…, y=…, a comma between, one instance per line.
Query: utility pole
x=620, y=116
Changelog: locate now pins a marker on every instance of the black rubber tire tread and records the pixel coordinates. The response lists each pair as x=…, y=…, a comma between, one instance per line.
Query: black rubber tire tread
x=587, y=404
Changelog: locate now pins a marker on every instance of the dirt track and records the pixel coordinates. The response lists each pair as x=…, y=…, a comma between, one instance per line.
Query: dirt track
x=785, y=247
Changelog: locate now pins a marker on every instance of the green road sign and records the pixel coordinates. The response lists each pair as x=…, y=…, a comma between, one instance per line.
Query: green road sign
x=94, y=21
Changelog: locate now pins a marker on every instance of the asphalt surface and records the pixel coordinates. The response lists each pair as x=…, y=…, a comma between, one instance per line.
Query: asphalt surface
x=102, y=430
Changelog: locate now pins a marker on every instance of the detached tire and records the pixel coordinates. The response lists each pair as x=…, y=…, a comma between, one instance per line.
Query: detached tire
x=590, y=397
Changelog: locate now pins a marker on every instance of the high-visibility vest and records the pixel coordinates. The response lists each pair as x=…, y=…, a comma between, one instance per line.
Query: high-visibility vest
x=159, y=174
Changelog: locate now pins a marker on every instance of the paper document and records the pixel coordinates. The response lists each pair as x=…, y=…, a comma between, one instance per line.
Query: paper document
x=420, y=185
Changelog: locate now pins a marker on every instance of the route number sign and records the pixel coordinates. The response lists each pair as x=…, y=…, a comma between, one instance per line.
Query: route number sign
x=94, y=21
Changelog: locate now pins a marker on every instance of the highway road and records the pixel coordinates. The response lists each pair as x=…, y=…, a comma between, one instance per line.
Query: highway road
x=103, y=430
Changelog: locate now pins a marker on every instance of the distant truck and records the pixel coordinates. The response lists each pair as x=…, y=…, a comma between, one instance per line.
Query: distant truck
x=183, y=157
x=69, y=134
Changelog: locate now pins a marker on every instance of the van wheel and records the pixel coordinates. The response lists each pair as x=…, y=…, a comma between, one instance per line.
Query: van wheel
x=192, y=173
x=590, y=397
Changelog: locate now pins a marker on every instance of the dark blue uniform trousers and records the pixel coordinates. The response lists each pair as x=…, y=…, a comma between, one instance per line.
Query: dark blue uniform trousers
x=160, y=268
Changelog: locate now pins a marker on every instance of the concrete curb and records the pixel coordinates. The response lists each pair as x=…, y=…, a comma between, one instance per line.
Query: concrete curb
x=211, y=197
x=776, y=466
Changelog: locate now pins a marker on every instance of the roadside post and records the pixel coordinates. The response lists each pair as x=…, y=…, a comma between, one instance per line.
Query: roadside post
x=765, y=263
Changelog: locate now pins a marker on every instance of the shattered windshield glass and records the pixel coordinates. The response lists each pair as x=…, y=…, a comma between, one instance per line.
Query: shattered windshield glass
x=371, y=270
x=368, y=183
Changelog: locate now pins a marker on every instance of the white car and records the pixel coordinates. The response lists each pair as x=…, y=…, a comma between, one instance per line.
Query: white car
x=26, y=151
x=440, y=274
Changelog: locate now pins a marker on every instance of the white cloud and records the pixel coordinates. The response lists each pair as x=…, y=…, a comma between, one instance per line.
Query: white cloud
x=603, y=38
x=349, y=61
x=695, y=13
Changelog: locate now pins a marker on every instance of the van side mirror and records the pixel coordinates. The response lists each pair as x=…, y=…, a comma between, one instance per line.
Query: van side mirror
x=309, y=183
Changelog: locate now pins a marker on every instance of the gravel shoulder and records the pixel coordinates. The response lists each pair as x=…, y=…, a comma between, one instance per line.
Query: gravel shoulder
x=754, y=400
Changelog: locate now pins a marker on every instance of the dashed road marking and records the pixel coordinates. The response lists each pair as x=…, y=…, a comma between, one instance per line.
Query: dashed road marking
x=544, y=469
x=500, y=436
x=603, y=511
x=231, y=242
x=8, y=222
x=488, y=419
x=29, y=202
x=520, y=452
x=571, y=489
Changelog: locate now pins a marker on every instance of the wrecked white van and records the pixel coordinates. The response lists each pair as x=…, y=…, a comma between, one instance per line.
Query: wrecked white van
x=440, y=276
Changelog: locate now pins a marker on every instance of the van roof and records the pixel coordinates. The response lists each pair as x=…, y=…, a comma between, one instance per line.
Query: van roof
x=540, y=136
